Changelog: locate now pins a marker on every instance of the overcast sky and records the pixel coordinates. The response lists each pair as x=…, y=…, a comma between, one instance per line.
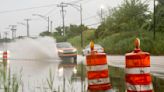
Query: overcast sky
x=37, y=24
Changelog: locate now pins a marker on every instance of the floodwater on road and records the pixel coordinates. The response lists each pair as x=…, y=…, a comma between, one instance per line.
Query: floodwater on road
x=34, y=59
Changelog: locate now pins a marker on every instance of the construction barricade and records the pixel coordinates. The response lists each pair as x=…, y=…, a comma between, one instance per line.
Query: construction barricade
x=138, y=78
x=97, y=71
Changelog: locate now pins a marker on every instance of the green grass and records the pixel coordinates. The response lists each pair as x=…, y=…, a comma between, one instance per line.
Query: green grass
x=87, y=37
x=122, y=42
x=75, y=41
x=119, y=43
x=8, y=82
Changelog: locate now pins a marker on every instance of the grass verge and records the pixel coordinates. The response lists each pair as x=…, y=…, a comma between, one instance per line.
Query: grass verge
x=117, y=77
x=119, y=43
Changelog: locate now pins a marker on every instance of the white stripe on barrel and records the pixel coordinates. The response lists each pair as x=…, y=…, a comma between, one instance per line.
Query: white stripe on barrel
x=97, y=67
x=139, y=88
x=99, y=81
x=138, y=70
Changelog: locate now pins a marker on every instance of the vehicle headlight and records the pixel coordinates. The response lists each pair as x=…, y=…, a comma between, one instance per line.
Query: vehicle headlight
x=60, y=51
x=74, y=50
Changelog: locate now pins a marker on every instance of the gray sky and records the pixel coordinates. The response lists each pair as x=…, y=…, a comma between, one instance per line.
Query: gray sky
x=37, y=24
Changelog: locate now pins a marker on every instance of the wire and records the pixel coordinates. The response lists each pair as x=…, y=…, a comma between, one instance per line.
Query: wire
x=75, y=1
x=23, y=9
x=94, y=24
x=85, y=2
x=90, y=17
x=49, y=12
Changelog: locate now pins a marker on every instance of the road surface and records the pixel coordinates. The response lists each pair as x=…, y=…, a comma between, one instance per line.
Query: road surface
x=33, y=59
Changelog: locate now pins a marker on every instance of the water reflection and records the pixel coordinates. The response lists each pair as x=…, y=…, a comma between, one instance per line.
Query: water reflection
x=67, y=71
x=36, y=58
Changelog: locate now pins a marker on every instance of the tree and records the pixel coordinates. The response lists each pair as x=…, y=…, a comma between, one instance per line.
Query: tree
x=129, y=16
x=45, y=33
x=160, y=16
x=59, y=30
x=74, y=30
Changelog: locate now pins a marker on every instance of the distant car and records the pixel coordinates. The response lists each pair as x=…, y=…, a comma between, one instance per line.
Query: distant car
x=65, y=49
x=97, y=48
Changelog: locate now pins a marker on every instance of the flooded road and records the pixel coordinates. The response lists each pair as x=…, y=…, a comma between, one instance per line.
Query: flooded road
x=34, y=59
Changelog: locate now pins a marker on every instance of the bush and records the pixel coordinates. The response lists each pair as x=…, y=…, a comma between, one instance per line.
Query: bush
x=122, y=42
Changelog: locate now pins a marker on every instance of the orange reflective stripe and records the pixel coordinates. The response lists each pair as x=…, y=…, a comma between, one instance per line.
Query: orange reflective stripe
x=142, y=62
x=98, y=74
x=138, y=79
x=99, y=87
x=138, y=55
x=96, y=59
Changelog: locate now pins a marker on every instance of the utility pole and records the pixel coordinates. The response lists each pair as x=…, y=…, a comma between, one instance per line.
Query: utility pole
x=154, y=21
x=62, y=5
x=48, y=20
x=51, y=25
x=0, y=36
x=45, y=18
x=79, y=8
x=102, y=13
x=13, y=30
x=28, y=32
x=63, y=83
x=27, y=21
x=6, y=34
x=81, y=23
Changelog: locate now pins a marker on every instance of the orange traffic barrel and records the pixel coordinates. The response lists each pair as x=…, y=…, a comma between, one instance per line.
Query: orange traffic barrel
x=138, y=78
x=97, y=71
x=5, y=56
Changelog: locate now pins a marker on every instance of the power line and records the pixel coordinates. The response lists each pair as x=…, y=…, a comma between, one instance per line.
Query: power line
x=90, y=17
x=75, y=1
x=23, y=9
x=49, y=12
x=72, y=2
x=87, y=1
x=94, y=24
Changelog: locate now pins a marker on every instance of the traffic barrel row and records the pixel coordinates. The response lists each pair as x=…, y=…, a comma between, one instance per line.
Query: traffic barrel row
x=137, y=69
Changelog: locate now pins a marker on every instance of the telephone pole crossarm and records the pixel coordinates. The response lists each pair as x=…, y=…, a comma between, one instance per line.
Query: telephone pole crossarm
x=62, y=5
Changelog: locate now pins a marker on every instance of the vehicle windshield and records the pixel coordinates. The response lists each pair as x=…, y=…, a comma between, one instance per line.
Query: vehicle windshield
x=64, y=45
x=95, y=46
